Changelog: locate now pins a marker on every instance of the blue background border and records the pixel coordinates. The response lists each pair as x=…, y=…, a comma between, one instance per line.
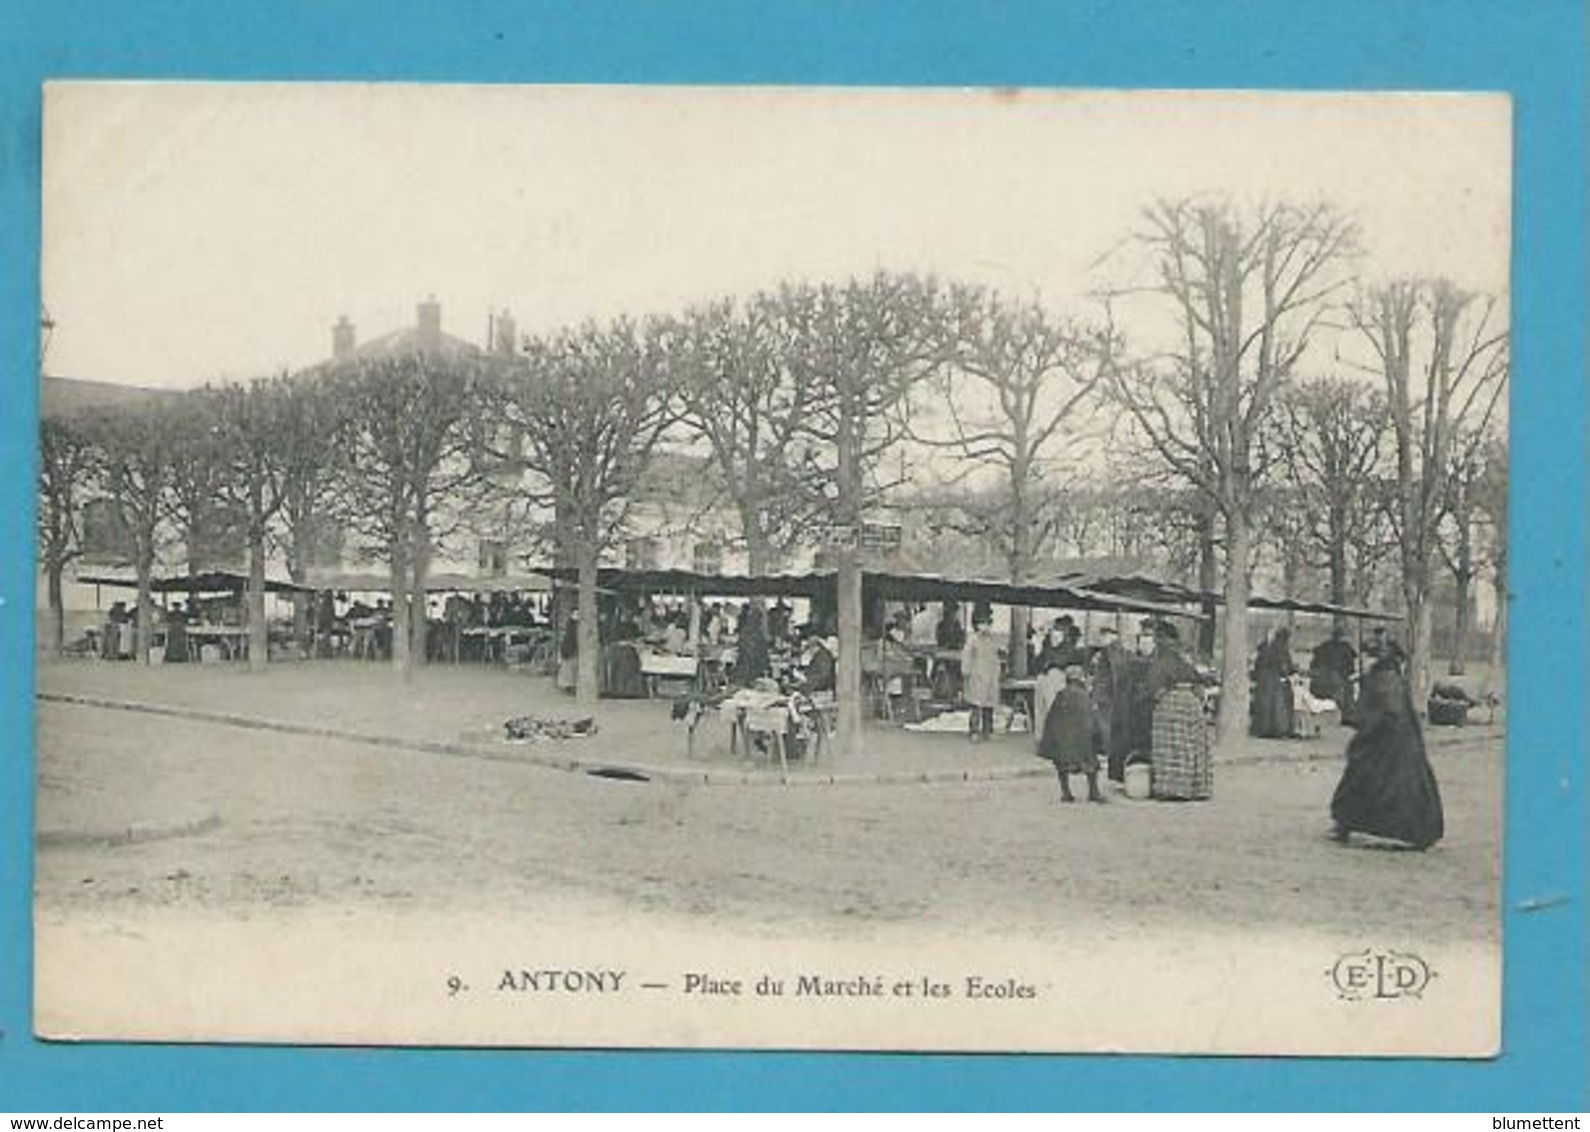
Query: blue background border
x=1535, y=50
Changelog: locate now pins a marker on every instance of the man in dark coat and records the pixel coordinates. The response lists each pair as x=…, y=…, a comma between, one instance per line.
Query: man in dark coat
x=1387, y=788
x=1331, y=670
x=1112, y=699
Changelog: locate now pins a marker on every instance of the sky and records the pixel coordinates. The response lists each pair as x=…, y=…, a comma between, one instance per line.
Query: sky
x=207, y=232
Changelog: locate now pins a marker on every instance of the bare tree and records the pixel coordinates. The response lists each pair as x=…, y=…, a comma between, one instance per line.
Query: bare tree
x=138, y=443
x=199, y=501
x=312, y=434
x=1248, y=292
x=1330, y=434
x=274, y=441
x=1443, y=356
x=981, y=520
x=740, y=397
x=866, y=344
x=591, y=405
x=68, y=466
x=245, y=452
x=1013, y=381
x=410, y=443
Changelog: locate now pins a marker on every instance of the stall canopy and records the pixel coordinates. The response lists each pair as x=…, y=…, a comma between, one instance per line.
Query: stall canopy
x=1147, y=588
x=889, y=586
x=372, y=582
x=208, y=582
x=501, y=584
x=1112, y=593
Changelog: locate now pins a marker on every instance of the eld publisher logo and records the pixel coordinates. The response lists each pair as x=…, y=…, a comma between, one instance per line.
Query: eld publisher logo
x=1369, y=974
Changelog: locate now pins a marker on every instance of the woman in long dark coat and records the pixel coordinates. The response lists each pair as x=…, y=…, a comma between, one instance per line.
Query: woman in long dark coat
x=625, y=678
x=1388, y=789
x=1274, y=716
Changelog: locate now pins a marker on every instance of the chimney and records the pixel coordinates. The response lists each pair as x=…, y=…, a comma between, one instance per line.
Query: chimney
x=342, y=338
x=428, y=321
x=506, y=331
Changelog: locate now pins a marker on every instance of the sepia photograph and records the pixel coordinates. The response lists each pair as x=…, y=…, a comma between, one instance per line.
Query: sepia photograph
x=781, y=568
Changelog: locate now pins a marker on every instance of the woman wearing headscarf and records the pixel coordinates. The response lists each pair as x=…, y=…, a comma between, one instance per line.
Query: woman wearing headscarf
x=1180, y=766
x=1388, y=789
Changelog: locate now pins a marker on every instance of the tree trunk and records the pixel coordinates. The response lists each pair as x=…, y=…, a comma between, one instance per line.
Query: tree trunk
x=757, y=552
x=419, y=612
x=565, y=594
x=1291, y=582
x=1498, y=657
x=1208, y=575
x=258, y=629
x=143, y=632
x=1020, y=629
x=1338, y=579
x=1417, y=629
x=298, y=571
x=1464, y=585
x=1232, y=723
x=1020, y=623
x=397, y=563
x=588, y=688
x=848, y=673
x=57, y=606
x=1020, y=556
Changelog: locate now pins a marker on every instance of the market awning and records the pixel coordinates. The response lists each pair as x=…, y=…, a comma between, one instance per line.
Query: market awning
x=1148, y=588
x=207, y=582
x=501, y=584
x=888, y=585
x=1293, y=605
x=442, y=583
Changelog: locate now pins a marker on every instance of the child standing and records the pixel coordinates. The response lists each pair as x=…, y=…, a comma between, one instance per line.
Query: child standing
x=1073, y=736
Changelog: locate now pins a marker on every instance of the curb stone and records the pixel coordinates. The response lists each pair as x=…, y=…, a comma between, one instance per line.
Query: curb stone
x=524, y=755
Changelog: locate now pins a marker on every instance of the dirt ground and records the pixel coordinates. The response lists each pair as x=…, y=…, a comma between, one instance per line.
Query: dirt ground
x=210, y=881
x=137, y=812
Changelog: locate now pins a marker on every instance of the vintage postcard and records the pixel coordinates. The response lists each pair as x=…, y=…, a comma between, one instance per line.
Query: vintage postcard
x=773, y=568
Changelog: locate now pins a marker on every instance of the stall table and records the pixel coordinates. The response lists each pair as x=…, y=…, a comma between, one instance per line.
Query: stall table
x=657, y=666
x=232, y=640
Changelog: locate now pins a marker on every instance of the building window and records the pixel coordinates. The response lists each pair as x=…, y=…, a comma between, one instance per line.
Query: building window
x=642, y=554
